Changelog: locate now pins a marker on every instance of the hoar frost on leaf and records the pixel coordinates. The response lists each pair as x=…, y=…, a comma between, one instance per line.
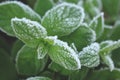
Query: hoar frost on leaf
x=38, y=78
x=63, y=19
x=64, y=55
x=30, y=32
x=110, y=47
x=11, y=9
x=89, y=56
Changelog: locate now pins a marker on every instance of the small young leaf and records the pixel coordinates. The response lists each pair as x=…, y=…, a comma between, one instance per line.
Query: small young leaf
x=81, y=37
x=106, y=48
x=63, y=19
x=11, y=9
x=64, y=55
x=30, y=32
x=27, y=62
x=40, y=6
x=112, y=45
x=97, y=24
x=42, y=50
x=89, y=56
x=38, y=78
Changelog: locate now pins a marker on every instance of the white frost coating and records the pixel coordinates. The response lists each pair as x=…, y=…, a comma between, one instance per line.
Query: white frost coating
x=31, y=27
x=69, y=51
x=109, y=62
x=67, y=4
x=95, y=18
x=63, y=19
x=38, y=78
x=112, y=46
x=89, y=55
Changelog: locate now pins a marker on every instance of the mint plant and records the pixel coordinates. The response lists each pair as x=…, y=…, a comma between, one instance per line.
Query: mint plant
x=59, y=40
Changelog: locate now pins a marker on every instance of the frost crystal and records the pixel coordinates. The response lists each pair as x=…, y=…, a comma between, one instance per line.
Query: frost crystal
x=89, y=55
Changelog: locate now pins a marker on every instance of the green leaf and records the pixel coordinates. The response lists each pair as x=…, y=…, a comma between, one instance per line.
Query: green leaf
x=16, y=47
x=106, y=48
x=63, y=55
x=112, y=45
x=109, y=62
x=116, y=57
x=106, y=33
x=40, y=6
x=79, y=74
x=7, y=67
x=104, y=74
x=81, y=37
x=38, y=78
x=63, y=19
x=42, y=50
x=92, y=7
x=57, y=68
x=11, y=9
x=89, y=56
x=97, y=24
x=27, y=62
x=30, y=32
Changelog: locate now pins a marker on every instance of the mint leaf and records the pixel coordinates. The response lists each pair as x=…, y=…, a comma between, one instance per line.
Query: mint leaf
x=40, y=6
x=97, y=24
x=106, y=48
x=63, y=55
x=42, y=50
x=112, y=45
x=81, y=37
x=89, y=56
x=38, y=78
x=63, y=19
x=11, y=9
x=30, y=32
x=27, y=62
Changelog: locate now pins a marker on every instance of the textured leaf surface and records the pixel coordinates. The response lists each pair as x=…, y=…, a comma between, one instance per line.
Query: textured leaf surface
x=81, y=37
x=89, y=56
x=64, y=55
x=27, y=61
x=42, y=50
x=11, y=9
x=63, y=19
x=109, y=46
x=38, y=78
x=30, y=32
x=97, y=24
